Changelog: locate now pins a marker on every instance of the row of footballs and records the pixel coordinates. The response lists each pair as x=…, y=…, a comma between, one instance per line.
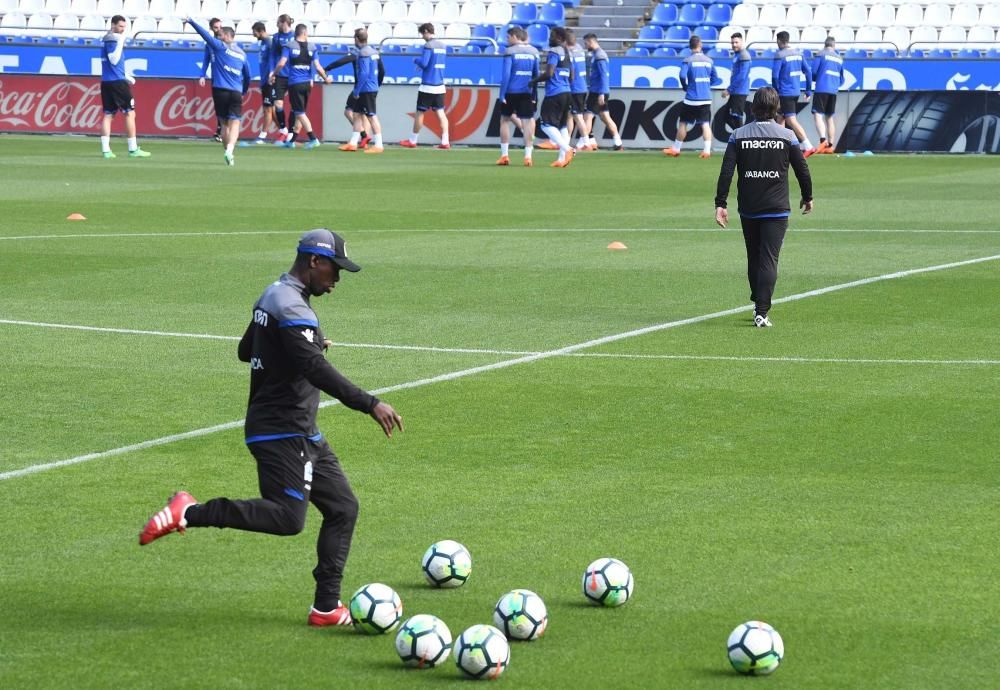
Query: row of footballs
x=482, y=651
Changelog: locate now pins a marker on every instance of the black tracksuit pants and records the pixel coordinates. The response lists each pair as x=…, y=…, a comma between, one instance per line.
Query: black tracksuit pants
x=763, y=238
x=292, y=473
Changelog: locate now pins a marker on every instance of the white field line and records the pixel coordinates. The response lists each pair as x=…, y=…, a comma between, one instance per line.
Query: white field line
x=504, y=364
x=486, y=351
x=608, y=231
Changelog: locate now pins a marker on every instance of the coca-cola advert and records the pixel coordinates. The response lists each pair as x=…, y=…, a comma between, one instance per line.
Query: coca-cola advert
x=163, y=107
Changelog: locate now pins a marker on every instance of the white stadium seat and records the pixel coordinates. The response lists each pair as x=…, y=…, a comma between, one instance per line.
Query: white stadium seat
x=56, y=7
x=8, y=6
x=952, y=37
x=186, y=8
x=13, y=20
x=66, y=23
x=771, y=15
x=990, y=16
x=881, y=14
x=813, y=35
x=326, y=30
x=378, y=32
x=965, y=15
x=394, y=11
x=266, y=9
x=924, y=35
x=446, y=12
x=760, y=37
x=342, y=10
x=826, y=15
x=29, y=7
x=317, y=10
x=843, y=34
x=937, y=15
x=981, y=34
x=868, y=37
x=213, y=8
x=746, y=14
x=170, y=26
x=132, y=8
x=144, y=24
x=293, y=8
x=92, y=23
x=241, y=9
x=724, y=34
x=909, y=14
x=458, y=30
x=793, y=33
x=500, y=12
x=899, y=36
x=368, y=11
x=83, y=7
x=347, y=29
x=110, y=8
x=855, y=15
x=40, y=20
x=420, y=11
x=406, y=30
x=159, y=8
x=799, y=15
x=473, y=12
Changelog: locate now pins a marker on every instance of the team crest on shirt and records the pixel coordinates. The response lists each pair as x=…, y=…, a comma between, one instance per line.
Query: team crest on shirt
x=309, y=334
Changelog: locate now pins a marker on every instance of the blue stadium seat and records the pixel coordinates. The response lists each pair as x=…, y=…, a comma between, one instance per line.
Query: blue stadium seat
x=719, y=15
x=973, y=53
x=538, y=36
x=636, y=51
x=767, y=53
x=708, y=34
x=470, y=49
x=665, y=51
x=552, y=14
x=525, y=13
x=684, y=52
x=855, y=54
x=692, y=15
x=391, y=48
x=649, y=37
x=720, y=54
x=993, y=53
x=489, y=49
x=483, y=31
x=915, y=53
x=883, y=53
x=680, y=34
x=665, y=15
x=939, y=53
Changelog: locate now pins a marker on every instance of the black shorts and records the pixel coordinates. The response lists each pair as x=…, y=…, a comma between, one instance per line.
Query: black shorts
x=365, y=103
x=555, y=109
x=228, y=104
x=737, y=103
x=267, y=94
x=788, y=105
x=593, y=106
x=520, y=104
x=280, y=87
x=825, y=103
x=351, y=104
x=298, y=96
x=429, y=101
x=577, y=103
x=695, y=114
x=115, y=96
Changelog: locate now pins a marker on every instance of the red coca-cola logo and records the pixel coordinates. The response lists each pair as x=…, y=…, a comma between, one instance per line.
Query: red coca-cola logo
x=62, y=106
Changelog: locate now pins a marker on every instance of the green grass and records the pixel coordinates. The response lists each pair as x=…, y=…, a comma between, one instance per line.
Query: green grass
x=826, y=475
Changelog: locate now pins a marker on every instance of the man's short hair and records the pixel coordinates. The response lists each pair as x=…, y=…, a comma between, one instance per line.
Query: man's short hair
x=301, y=29
x=518, y=32
x=258, y=26
x=590, y=36
x=830, y=42
x=228, y=32
x=425, y=28
x=117, y=18
x=781, y=37
x=765, y=104
x=285, y=19
x=558, y=34
x=213, y=21
x=736, y=34
x=694, y=42
x=361, y=35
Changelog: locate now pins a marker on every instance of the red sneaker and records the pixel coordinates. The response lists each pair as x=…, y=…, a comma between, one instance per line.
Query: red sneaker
x=339, y=616
x=365, y=140
x=810, y=152
x=672, y=152
x=407, y=144
x=170, y=519
x=443, y=146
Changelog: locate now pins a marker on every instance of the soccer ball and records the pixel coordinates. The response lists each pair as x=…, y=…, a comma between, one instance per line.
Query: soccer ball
x=447, y=564
x=376, y=609
x=482, y=652
x=755, y=648
x=608, y=582
x=521, y=615
x=424, y=641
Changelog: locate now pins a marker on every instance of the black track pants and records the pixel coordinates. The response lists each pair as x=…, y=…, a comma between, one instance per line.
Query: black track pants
x=763, y=238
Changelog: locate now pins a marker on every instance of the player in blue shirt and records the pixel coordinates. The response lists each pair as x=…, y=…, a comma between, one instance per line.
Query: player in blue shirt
x=557, y=75
x=598, y=93
x=264, y=67
x=828, y=71
x=697, y=78
x=430, y=93
x=278, y=42
x=116, y=92
x=739, y=83
x=215, y=26
x=578, y=93
x=517, y=94
x=299, y=57
x=368, y=75
x=230, y=82
x=788, y=74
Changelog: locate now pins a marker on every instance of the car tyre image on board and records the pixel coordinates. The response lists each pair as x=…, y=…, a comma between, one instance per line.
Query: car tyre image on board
x=966, y=121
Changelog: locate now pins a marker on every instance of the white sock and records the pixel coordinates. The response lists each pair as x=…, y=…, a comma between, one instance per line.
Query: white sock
x=105, y=144
x=413, y=137
x=528, y=150
x=444, y=140
x=378, y=140
x=229, y=148
x=283, y=131
x=708, y=147
x=132, y=144
x=262, y=135
x=677, y=145
x=806, y=144
x=355, y=138
x=504, y=149
x=556, y=137
x=618, y=140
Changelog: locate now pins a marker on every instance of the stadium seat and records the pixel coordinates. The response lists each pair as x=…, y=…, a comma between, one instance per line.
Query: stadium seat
x=538, y=35
x=708, y=34
x=993, y=53
x=186, y=8
x=745, y=15
x=39, y=22
x=915, y=53
x=826, y=14
x=664, y=51
x=8, y=6
x=939, y=53
x=970, y=53
x=499, y=12
x=909, y=15
x=267, y=10
x=990, y=15
x=56, y=7
x=771, y=16
x=420, y=11
x=854, y=15
x=664, y=14
x=368, y=11
x=937, y=15
x=898, y=36
x=83, y=7
x=145, y=25
x=348, y=28
x=981, y=34
x=719, y=15
x=93, y=23
x=552, y=14
x=726, y=33
x=843, y=34
x=66, y=22
x=855, y=54
x=720, y=54
x=459, y=30
x=813, y=35
x=473, y=12
x=489, y=49
x=407, y=32
x=800, y=15
x=684, y=52
x=214, y=8
x=471, y=49
x=244, y=30
x=760, y=37
x=524, y=14
x=243, y=9
x=881, y=15
x=965, y=15
x=884, y=53
x=483, y=35
x=924, y=34
x=293, y=8
x=316, y=10
x=327, y=28
x=650, y=37
x=692, y=15
x=953, y=37
x=340, y=11
x=678, y=34
x=445, y=12
x=636, y=51
x=377, y=32
x=868, y=37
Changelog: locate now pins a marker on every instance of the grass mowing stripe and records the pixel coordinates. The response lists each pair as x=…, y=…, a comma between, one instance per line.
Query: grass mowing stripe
x=790, y=359
x=451, y=376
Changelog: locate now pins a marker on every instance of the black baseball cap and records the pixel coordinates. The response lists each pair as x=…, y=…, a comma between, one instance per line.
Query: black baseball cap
x=329, y=244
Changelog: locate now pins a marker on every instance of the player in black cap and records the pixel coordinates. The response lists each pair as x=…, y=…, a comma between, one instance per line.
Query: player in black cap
x=295, y=466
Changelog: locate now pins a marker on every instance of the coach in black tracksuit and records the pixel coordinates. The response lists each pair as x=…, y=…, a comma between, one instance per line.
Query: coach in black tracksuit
x=295, y=465
x=761, y=153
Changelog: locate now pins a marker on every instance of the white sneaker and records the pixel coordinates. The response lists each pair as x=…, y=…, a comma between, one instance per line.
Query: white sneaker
x=761, y=321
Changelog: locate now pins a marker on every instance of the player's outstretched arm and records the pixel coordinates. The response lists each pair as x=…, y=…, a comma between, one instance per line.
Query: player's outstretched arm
x=387, y=418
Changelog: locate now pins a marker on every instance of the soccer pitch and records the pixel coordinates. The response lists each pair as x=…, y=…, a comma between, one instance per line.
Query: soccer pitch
x=835, y=476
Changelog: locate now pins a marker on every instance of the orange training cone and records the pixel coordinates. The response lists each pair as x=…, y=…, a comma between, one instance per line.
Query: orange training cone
x=617, y=245
x=75, y=216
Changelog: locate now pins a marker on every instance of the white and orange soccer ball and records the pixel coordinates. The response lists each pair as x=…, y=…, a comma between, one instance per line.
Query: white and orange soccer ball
x=608, y=582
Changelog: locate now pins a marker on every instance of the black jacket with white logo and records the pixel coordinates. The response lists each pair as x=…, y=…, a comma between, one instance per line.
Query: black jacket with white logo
x=762, y=152
x=284, y=346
